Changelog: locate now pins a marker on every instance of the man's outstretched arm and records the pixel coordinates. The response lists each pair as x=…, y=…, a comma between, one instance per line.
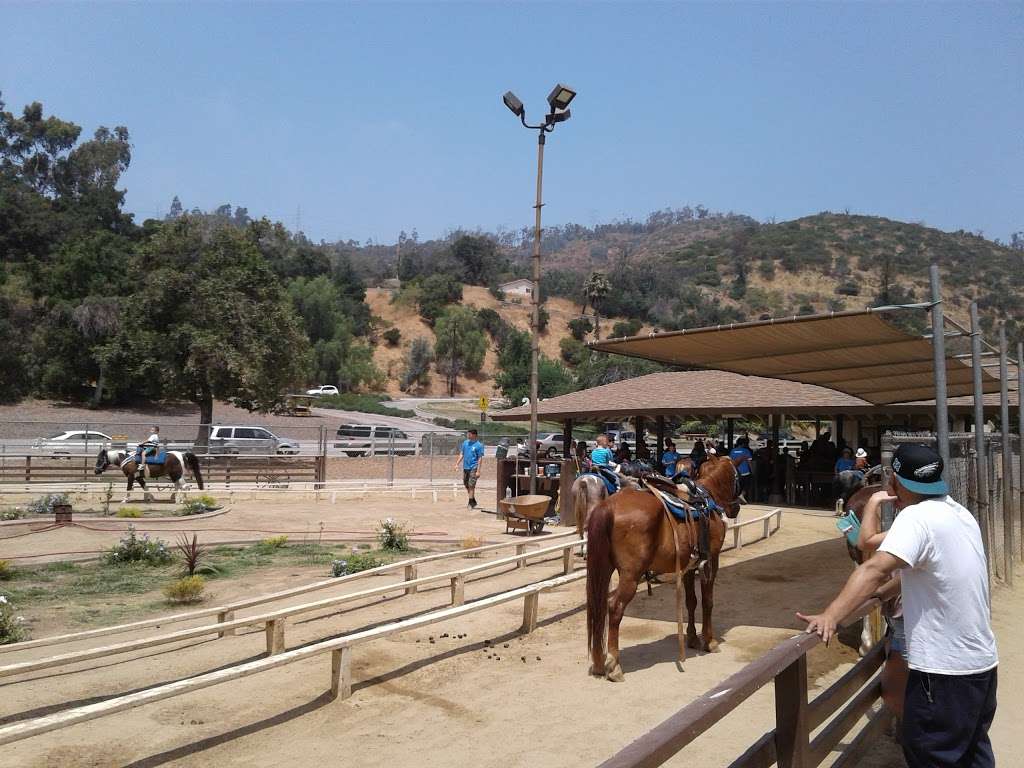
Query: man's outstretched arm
x=862, y=584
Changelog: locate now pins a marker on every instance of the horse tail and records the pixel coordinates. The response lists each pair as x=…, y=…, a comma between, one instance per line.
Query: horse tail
x=193, y=464
x=599, y=574
x=580, y=504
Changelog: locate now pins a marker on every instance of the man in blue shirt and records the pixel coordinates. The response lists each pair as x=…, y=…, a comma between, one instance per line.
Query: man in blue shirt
x=669, y=459
x=472, y=457
x=741, y=458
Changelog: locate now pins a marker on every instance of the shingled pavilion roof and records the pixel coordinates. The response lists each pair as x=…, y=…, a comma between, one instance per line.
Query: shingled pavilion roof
x=716, y=393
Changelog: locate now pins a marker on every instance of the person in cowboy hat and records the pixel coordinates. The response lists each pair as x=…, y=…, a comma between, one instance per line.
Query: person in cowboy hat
x=935, y=545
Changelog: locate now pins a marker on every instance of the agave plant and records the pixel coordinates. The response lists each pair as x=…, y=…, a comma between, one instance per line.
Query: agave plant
x=194, y=556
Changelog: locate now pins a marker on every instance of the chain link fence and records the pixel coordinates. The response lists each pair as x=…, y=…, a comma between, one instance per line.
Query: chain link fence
x=1000, y=512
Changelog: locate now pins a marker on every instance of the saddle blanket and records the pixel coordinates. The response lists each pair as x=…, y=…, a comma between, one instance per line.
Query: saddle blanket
x=608, y=477
x=678, y=508
x=159, y=458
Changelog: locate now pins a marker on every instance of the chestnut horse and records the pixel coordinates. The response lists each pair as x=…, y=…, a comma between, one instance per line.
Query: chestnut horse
x=631, y=533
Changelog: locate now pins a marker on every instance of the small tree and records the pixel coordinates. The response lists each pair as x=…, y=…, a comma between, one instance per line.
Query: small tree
x=596, y=288
x=461, y=344
x=392, y=336
x=417, y=365
x=436, y=293
x=580, y=327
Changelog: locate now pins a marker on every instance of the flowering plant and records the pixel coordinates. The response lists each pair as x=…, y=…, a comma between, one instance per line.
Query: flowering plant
x=393, y=535
x=12, y=627
x=136, y=549
x=44, y=504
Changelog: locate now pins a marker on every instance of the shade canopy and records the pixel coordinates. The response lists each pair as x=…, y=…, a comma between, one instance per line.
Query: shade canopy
x=857, y=353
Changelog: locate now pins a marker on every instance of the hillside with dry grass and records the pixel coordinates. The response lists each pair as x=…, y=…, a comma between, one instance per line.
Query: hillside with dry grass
x=404, y=317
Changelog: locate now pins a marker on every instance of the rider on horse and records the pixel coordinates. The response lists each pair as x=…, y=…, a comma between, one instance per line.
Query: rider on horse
x=151, y=446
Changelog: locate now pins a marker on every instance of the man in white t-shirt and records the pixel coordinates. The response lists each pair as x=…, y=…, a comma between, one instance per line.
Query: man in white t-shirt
x=936, y=545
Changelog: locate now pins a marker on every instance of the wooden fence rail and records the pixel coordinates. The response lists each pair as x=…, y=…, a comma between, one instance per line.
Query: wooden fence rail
x=795, y=717
x=226, y=611
x=274, y=621
x=341, y=661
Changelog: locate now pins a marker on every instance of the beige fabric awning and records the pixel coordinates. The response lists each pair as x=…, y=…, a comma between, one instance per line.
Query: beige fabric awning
x=853, y=352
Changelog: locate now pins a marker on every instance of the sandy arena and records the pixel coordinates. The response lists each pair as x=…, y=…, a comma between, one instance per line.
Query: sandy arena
x=519, y=701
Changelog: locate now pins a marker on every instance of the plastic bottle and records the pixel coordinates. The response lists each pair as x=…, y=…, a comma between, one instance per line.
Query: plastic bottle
x=508, y=491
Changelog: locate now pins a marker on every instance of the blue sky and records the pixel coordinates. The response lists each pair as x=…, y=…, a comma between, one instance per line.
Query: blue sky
x=366, y=119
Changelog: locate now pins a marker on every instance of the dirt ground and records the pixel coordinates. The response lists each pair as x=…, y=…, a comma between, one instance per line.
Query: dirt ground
x=457, y=702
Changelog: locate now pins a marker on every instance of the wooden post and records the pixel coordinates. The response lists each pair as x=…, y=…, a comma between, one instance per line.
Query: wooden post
x=221, y=618
x=341, y=673
x=28, y=469
x=520, y=549
x=567, y=561
x=791, y=731
x=737, y=537
x=566, y=477
x=530, y=612
x=660, y=449
x=458, y=589
x=767, y=529
x=275, y=636
x=410, y=575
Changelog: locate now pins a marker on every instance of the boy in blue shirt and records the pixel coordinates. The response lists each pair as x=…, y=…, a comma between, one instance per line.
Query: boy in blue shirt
x=472, y=457
x=602, y=455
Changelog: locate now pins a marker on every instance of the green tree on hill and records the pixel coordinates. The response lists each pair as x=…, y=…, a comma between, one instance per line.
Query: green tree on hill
x=461, y=345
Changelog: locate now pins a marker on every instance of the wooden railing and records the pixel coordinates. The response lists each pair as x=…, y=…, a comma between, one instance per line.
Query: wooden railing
x=796, y=718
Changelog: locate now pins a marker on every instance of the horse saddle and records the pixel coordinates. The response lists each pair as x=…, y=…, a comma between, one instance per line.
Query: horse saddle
x=668, y=493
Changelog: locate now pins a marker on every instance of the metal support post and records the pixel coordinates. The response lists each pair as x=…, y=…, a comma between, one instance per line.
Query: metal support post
x=939, y=362
x=1004, y=418
x=979, y=435
x=535, y=321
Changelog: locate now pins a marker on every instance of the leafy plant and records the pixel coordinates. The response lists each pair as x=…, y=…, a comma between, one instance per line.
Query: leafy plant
x=6, y=571
x=44, y=504
x=12, y=627
x=393, y=535
x=12, y=513
x=579, y=327
x=198, y=505
x=135, y=549
x=268, y=545
x=471, y=542
x=128, y=512
x=108, y=496
x=354, y=563
x=392, y=336
x=188, y=589
x=194, y=556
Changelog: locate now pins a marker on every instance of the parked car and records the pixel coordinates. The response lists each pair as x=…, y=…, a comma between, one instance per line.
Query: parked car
x=323, y=389
x=72, y=441
x=249, y=439
x=374, y=440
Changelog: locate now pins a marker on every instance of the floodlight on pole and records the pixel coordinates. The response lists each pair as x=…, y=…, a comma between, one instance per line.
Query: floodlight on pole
x=558, y=100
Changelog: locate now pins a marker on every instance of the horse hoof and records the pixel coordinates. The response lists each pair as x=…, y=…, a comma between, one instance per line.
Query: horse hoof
x=595, y=672
x=693, y=642
x=615, y=675
x=711, y=646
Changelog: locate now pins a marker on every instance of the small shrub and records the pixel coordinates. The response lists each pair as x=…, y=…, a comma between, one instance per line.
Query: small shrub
x=269, y=545
x=198, y=505
x=393, y=535
x=354, y=563
x=44, y=504
x=185, y=590
x=392, y=336
x=135, y=549
x=12, y=627
x=194, y=556
x=6, y=571
x=471, y=542
x=128, y=512
x=12, y=513
x=848, y=288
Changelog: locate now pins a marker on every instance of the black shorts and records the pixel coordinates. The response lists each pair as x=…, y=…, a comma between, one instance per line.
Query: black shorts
x=469, y=478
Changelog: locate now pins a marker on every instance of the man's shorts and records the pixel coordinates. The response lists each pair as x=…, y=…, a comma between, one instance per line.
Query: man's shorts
x=897, y=637
x=469, y=478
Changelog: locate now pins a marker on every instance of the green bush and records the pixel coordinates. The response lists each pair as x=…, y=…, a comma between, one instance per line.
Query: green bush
x=354, y=563
x=12, y=627
x=6, y=571
x=573, y=351
x=128, y=512
x=393, y=535
x=12, y=513
x=350, y=401
x=44, y=504
x=198, y=505
x=268, y=545
x=579, y=327
x=188, y=589
x=392, y=336
x=135, y=549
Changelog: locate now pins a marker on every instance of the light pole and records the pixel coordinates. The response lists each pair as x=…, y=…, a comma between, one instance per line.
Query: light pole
x=558, y=101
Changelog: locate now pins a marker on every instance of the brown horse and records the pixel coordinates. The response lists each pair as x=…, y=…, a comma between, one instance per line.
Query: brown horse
x=173, y=468
x=631, y=533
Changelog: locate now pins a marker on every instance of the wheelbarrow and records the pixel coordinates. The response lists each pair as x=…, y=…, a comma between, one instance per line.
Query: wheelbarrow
x=525, y=512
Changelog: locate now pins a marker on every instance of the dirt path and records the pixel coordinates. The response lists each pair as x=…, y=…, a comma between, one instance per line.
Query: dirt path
x=453, y=702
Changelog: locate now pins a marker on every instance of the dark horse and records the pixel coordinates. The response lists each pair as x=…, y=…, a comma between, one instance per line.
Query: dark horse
x=631, y=533
x=173, y=468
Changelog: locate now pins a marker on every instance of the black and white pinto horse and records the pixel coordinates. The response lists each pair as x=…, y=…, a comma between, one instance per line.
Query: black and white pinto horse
x=173, y=469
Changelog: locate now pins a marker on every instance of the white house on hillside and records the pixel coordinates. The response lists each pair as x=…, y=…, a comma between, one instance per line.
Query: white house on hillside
x=520, y=287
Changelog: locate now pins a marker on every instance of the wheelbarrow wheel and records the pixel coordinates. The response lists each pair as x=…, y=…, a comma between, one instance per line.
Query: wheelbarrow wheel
x=536, y=526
